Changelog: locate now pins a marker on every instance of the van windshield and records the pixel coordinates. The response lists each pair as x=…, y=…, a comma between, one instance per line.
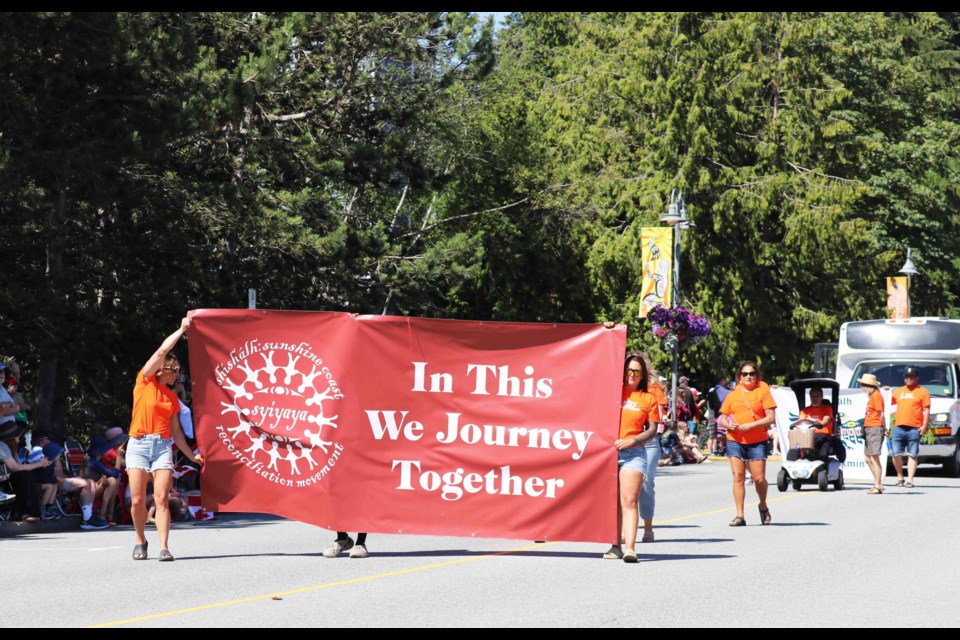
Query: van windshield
x=935, y=377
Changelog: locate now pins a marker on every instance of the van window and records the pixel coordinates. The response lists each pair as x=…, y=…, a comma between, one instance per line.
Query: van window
x=877, y=334
x=936, y=377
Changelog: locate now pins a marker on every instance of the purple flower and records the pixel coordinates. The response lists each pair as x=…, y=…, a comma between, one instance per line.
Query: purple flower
x=667, y=320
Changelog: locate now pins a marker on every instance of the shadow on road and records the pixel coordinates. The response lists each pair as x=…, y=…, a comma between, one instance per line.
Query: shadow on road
x=643, y=557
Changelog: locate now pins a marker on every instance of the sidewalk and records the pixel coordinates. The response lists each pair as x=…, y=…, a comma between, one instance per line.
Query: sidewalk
x=9, y=529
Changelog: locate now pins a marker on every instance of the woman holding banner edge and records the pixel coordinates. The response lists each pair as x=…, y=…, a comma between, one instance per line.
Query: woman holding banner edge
x=154, y=429
x=639, y=412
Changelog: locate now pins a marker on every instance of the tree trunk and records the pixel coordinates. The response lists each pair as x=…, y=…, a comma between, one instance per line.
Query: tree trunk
x=51, y=397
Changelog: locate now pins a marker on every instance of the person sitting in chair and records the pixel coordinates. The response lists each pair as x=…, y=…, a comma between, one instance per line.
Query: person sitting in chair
x=670, y=446
x=822, y=415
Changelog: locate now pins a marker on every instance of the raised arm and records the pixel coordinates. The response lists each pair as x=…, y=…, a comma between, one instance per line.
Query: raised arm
x=156, y=360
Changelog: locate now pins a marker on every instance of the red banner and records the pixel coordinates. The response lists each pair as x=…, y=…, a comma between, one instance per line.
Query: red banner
x=409, y=425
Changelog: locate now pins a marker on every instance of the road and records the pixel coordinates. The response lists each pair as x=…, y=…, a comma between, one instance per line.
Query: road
x=834, y=559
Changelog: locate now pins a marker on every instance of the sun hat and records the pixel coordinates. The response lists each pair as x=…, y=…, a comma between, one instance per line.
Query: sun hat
x=869, y=379
x=10, y=430
x=116, y=436
x=98, y=446
x=52, y=450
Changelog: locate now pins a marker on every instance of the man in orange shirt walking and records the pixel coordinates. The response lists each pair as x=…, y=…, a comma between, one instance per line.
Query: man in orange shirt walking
x=913, y=416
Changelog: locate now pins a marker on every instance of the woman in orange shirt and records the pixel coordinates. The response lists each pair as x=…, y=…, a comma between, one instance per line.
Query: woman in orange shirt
x=154, y=427
x=746, y=413
x=873, y=429
x=638, y=416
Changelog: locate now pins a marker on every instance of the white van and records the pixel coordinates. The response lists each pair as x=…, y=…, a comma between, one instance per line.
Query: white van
x=885, y=347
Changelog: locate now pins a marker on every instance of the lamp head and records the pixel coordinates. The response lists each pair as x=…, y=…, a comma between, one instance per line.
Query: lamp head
x=676, y=211
x=908, y=268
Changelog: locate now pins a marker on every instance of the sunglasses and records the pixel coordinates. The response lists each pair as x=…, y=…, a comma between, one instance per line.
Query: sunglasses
x=748, y=373
x=634, y=372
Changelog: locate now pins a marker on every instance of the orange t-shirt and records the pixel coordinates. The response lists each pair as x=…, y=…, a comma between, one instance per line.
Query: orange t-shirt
x=874, y=417
x=748, y=406
x=910, y=405
x=661, y=397
x=153, y=404
x=637, y=408
x=816, y=413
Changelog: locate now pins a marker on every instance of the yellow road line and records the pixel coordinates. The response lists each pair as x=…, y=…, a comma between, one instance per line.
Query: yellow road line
x=449, y=563
x=329, y=585
x=793, y=496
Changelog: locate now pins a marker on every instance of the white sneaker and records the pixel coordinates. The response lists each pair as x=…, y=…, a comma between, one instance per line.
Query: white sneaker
x=6, y=497
x=359, y=551
x=748, y=481
x=338, y=547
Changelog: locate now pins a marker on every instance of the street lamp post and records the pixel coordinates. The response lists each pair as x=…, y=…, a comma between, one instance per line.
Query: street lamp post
x=676, y=217
x=909, y=270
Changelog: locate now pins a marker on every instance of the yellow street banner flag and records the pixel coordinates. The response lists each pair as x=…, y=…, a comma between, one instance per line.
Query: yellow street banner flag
x=657, y=256
x=897, y=298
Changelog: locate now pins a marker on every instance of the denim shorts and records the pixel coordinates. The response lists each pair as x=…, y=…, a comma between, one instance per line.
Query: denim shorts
x=906, y=440
x=150, y=453
x=748, y=452
x=633, y=459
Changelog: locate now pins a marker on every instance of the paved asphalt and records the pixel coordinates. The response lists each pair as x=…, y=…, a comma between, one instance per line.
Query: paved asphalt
x=833, y=559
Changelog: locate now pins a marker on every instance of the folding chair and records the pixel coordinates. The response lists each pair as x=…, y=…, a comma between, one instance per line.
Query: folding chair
x=74, y=454
x=6, y=487
x=72, y=459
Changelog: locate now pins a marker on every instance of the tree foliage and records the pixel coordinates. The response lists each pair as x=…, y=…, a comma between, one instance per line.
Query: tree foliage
x=417, y=163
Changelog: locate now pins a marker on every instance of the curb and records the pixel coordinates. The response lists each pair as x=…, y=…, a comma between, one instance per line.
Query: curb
x=10, y=529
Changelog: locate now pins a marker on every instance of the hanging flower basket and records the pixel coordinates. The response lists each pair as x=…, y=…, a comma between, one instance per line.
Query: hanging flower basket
x=678, y=327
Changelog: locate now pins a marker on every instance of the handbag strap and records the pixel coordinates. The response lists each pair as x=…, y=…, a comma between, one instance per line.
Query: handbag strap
x=746, y=401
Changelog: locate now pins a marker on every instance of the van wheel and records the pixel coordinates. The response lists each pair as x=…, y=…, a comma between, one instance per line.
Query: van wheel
x=783, y=480
x=951, y=466
x=838, y=485
x=822, y=480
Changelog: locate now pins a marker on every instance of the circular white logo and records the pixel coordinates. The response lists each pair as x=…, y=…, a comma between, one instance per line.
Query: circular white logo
x=280, y=419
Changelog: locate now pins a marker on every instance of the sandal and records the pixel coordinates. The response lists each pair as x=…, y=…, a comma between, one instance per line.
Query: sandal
x=738, y=522
x=140, y=551
x=909, y=485
x=900, y=483
x=615, y=553
x=874, y=491
x=765, y=516
x=630, y=556
x=165, y=555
